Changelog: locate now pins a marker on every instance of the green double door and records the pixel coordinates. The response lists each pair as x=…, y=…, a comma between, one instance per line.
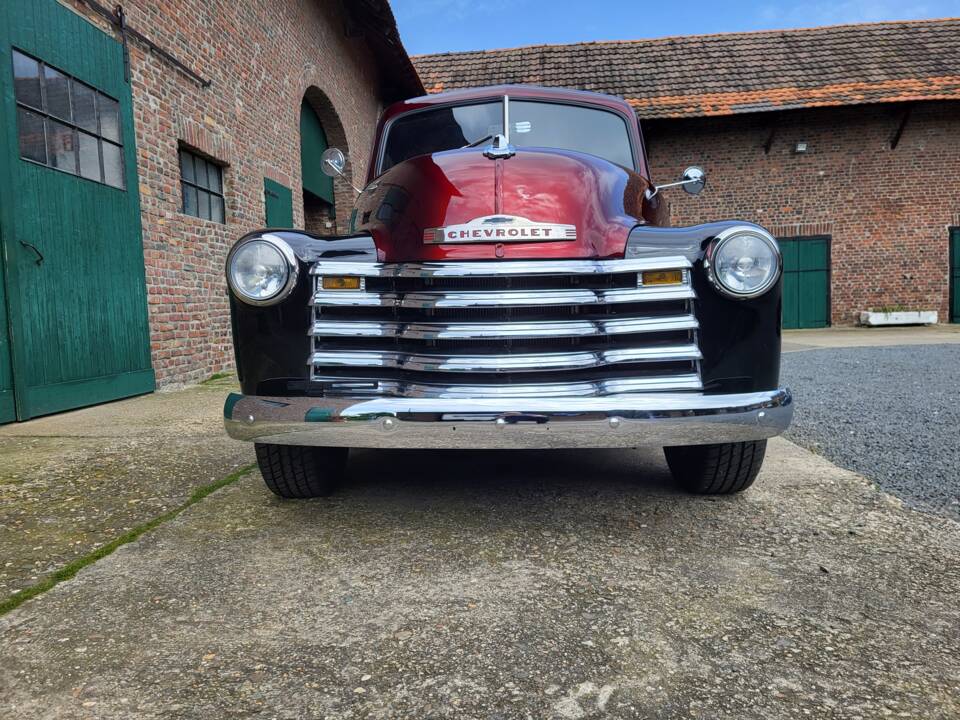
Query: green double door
x=73, y=313
x=806, y=282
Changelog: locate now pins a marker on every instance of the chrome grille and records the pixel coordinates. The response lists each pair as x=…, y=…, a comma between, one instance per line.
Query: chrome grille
x=551, y=328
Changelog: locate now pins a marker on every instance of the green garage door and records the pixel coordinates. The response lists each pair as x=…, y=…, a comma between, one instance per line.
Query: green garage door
x=955, y=275
x=8, y=411
x=76, y=329
x=806, y=282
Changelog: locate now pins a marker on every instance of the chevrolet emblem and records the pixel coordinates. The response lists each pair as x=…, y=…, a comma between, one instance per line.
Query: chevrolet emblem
x=499, y=229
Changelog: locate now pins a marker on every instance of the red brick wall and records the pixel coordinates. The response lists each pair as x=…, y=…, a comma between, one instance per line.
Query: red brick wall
x=887, y=210
x=262, y=57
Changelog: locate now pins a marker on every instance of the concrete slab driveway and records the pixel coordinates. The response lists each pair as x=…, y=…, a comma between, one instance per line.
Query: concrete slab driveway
x=509, y=585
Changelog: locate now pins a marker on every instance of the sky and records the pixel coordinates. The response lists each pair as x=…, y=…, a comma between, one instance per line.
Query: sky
x=434, y=26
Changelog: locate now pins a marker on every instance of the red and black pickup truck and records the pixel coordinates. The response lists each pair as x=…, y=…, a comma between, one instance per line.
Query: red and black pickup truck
x=510, y=281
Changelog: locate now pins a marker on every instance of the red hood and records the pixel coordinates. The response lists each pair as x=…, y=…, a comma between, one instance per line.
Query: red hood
x=603, y=201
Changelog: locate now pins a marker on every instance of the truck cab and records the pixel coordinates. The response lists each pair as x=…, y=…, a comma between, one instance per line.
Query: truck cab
x=510, y=281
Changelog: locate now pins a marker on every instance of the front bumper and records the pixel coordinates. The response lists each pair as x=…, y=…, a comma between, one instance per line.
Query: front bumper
x=626, y=420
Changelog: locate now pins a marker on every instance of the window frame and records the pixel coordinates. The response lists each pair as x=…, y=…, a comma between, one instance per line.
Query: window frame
x=43, y=112
x=194, y=155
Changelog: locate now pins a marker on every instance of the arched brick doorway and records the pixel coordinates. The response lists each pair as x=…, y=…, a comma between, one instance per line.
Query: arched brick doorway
x=327, y=203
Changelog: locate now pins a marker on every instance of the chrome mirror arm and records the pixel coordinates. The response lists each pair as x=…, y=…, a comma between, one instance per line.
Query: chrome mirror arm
x=658, y=188
x=330, y=164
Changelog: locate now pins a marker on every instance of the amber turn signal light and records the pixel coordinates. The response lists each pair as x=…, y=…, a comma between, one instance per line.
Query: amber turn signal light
x=662, y=277
x=340, y=282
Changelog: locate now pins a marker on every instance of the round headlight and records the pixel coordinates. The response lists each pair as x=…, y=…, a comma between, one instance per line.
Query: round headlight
x=261, y=271
x=744, y=262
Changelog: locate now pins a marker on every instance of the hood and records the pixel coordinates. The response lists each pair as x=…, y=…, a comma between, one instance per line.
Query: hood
x=538, y=203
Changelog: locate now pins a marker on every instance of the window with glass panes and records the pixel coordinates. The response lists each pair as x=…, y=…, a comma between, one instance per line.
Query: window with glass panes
x=66, y=124
x=202, y=185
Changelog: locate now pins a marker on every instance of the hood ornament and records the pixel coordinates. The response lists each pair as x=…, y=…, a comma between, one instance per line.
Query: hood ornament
x=500, y=229
x=500, y=147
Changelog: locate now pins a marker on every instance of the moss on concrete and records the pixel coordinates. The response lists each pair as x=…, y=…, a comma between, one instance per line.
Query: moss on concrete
x=68, y=571
x=79, y=481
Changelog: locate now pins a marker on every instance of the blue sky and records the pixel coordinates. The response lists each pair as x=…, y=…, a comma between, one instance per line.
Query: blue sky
x=432, y=26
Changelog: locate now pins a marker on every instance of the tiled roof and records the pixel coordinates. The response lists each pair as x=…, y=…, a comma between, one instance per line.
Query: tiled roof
x=732, y=73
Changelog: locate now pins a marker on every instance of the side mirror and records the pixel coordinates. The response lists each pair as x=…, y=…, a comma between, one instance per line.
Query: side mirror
x=694, y=180
x=332, y=162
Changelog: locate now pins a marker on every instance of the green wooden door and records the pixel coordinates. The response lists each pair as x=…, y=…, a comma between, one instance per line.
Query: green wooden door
x=75, y=288
x=8, y=410
x=278, y=202
x=955, y=275
x=806, y=282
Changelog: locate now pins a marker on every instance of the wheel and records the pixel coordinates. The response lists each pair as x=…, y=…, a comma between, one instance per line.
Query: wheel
x=292, y=471
x=716, y=469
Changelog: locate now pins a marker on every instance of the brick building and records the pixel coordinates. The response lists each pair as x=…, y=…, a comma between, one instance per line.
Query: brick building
x=136, y=157
x=844, y=141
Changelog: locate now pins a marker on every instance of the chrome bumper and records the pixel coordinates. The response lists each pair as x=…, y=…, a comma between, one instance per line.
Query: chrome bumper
x=626, y=420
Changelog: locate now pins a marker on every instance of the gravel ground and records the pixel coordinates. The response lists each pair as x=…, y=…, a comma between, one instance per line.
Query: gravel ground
x=889, y=413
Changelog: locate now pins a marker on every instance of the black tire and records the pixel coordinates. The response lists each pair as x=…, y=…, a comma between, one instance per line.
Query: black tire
x=292, y=471
x=716, y=469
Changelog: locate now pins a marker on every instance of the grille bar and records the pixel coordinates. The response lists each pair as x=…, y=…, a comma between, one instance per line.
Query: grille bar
x=500, y=298
x=501, y=331
x=652, y=383
x=498, y=269
x=526, y=362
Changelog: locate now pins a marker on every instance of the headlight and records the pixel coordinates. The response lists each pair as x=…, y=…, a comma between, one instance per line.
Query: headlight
x=743, y=262
x=262, y=271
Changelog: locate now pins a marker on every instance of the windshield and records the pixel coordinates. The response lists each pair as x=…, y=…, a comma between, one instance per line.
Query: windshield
x=532, y=124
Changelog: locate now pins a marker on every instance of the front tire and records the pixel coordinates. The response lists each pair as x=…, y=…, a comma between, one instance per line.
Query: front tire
x=293, y=471
x=716, y=469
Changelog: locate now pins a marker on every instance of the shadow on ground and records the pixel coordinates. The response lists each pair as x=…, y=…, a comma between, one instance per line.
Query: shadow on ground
x=459, y=472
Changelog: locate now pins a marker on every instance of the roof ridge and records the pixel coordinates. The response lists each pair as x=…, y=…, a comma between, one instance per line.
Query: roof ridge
x=668, y=38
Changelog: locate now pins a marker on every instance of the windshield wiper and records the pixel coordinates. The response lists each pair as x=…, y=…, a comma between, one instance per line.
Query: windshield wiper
x=477, y=142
